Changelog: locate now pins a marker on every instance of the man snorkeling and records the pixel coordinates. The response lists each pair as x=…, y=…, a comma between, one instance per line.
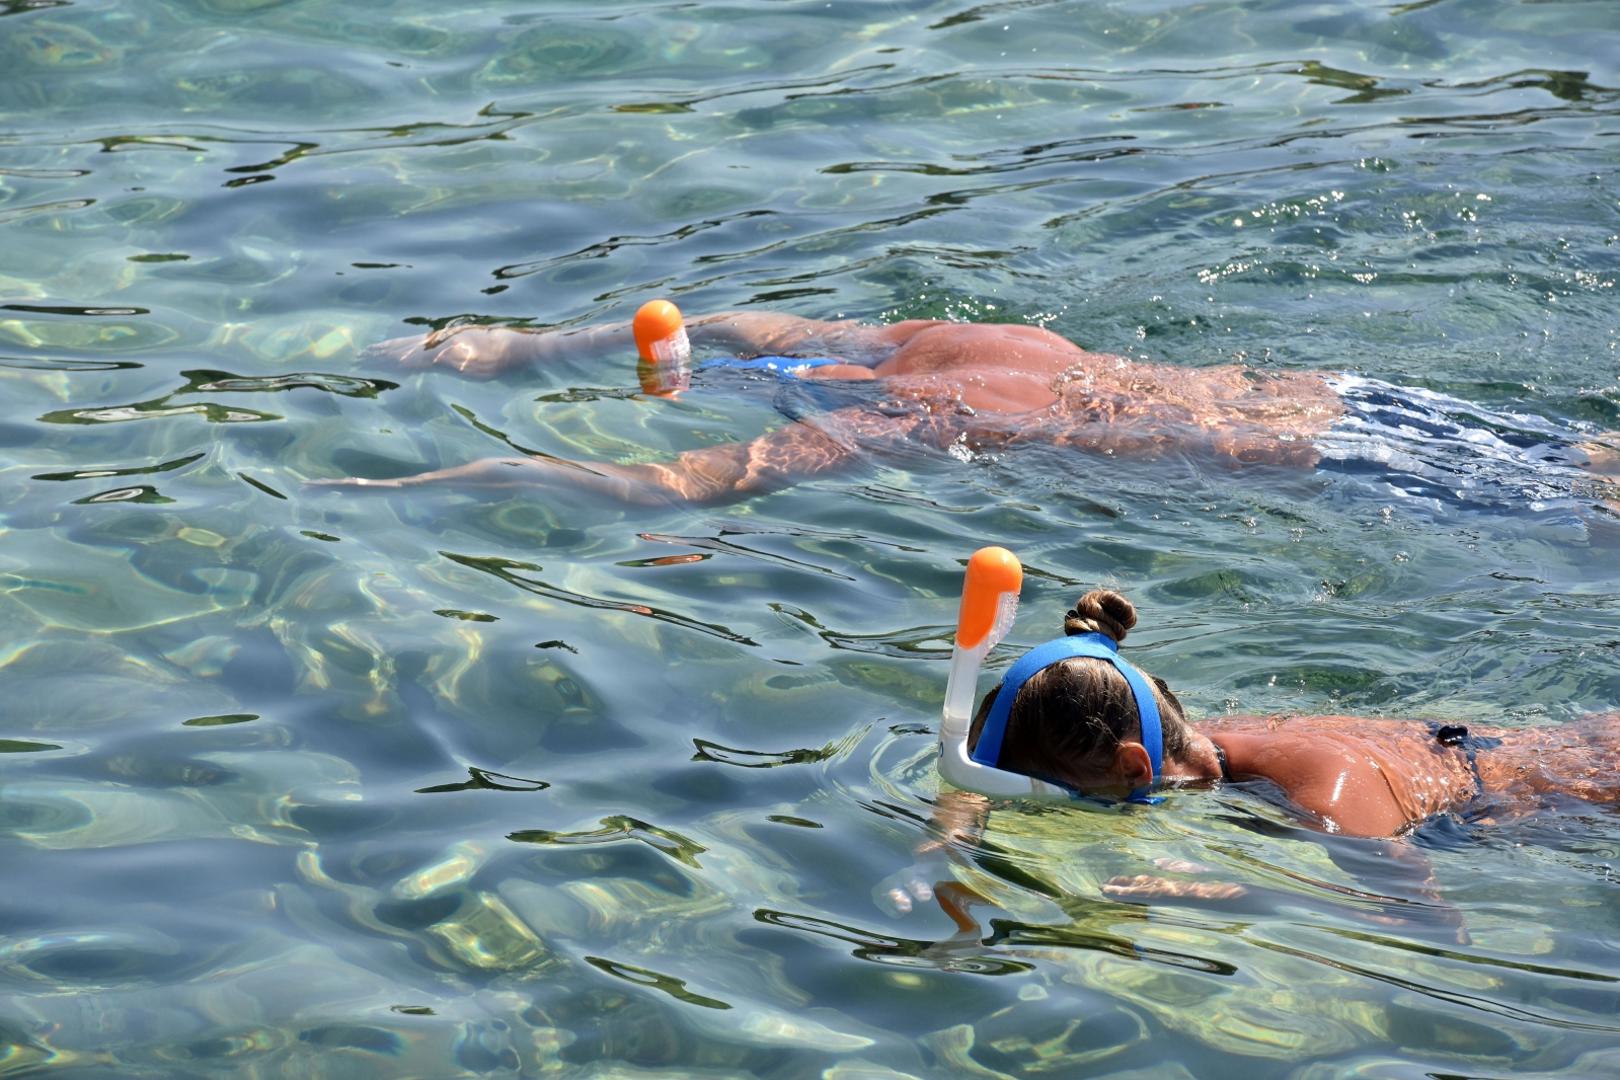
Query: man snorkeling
x=1078, y=724
x=990, y=386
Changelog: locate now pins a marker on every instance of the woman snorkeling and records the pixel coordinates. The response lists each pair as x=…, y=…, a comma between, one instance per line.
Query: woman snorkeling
x=1077, y=723
x=1072, y=718
x=978, y=386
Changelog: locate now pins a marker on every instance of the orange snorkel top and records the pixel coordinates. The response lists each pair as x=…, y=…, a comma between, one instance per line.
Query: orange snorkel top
x=656, y=322
x=665, y=352
x=989, y=604
x=992, y=573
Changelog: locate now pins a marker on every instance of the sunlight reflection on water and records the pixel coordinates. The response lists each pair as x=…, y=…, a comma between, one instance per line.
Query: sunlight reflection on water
x=448, y=783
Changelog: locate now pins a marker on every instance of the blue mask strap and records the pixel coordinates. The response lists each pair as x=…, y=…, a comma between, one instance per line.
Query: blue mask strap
x=987, y=751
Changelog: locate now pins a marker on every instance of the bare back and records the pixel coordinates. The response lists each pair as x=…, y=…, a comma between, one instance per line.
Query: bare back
x=1379, y=777
x=997, y=383
x=1012, y=368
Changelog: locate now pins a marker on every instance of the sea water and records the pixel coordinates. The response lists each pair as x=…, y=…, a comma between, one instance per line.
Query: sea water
x=455, y=783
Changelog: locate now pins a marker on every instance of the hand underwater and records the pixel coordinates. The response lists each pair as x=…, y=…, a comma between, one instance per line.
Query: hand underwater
x=902, y=891
x=1148, y=887
x=479, y=352
x=930, y=878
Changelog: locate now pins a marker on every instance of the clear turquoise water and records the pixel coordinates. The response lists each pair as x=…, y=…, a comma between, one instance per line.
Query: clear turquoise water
x=455, y=784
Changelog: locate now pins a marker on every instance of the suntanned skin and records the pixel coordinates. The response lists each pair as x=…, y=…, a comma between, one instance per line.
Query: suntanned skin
x=1348, y=775
x=989, y=384
x=1377, y=777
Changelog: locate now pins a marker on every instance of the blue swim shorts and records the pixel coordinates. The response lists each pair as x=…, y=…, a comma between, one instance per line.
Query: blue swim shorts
x=1421, y=445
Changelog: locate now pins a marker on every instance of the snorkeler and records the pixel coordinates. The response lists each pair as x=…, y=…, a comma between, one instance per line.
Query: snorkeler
x=1076, y=724
x=979, y=386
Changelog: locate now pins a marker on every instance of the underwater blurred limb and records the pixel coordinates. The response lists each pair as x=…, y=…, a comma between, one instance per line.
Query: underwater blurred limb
x=708, y=475
x=1148, y=886
x=958, y=819
x=480, y=352
x=616, y=481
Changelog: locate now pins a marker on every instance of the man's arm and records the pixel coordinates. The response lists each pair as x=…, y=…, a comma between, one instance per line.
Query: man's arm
x=713, y=474
x=487, y=351
x=483, y=352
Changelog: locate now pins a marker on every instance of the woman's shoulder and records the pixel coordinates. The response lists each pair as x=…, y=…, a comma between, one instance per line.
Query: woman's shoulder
x=1314, y=743
x=1368, y=776
x=1307, y=724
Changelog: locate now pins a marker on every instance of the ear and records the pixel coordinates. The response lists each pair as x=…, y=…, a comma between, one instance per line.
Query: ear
x=1132, y=765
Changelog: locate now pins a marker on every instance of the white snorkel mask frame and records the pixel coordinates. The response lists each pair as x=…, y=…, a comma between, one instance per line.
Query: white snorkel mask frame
x=989, y=603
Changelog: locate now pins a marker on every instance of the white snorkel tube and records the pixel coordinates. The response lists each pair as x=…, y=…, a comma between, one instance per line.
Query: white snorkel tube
x=989, y=602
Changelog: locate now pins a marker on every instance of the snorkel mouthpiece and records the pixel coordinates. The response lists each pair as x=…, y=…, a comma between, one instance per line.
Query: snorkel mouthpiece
x=666, y=354
x=989, y=602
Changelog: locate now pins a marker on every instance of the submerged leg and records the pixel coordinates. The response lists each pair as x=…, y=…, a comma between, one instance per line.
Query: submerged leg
x=1603, y=462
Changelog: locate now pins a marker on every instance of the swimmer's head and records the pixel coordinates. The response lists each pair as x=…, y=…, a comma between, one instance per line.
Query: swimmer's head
x=1075, y=722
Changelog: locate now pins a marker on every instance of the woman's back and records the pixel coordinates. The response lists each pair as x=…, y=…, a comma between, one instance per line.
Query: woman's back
x=1377, y=777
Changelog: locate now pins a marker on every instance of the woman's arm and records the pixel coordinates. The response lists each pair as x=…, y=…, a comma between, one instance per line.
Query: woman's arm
x=958, y=821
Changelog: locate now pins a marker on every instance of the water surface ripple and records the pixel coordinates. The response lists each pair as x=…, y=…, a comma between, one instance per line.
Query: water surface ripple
x=449, y=783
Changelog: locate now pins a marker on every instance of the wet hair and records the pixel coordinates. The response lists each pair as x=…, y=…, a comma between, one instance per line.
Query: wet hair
x=1079, y=709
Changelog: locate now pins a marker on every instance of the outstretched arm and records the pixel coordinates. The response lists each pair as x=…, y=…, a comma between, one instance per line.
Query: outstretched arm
x=488, y=351
x=713, y=474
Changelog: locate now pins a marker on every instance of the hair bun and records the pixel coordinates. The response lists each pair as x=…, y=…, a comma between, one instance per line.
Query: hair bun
x=1101, y=611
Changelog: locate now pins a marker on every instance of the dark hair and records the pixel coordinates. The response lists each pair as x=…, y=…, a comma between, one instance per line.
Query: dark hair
x=1071, y=711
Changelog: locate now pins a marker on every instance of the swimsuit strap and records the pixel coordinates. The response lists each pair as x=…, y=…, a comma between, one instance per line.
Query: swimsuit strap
x=987, y=751
x=1220, y=756
x=1457, y=736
